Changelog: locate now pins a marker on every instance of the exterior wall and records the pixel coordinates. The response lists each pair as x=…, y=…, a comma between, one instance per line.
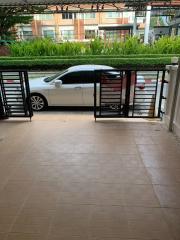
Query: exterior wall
x=172, y=80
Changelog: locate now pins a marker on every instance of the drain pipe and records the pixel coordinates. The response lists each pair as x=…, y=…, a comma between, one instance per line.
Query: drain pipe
x=174, y=101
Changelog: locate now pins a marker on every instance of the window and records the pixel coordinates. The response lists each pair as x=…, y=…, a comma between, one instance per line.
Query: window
x=87, y=15
x=81, y=77
x=90, y=34
x=114, y=15
x=113, y=35
x=67, y=34
x=27, y=35
x=129, y=15
x=43, y=17
x=67, y=15
x=48, y=33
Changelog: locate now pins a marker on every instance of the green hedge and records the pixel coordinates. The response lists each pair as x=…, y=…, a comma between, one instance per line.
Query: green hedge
x=39, y=63
x=89, y=56
x=132, y=45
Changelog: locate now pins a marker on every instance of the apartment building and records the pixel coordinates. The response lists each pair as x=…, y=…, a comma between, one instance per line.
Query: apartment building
x=69, y=26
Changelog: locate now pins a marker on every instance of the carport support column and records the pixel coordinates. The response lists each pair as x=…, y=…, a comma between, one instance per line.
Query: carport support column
x=147, y=25
x=135, y=25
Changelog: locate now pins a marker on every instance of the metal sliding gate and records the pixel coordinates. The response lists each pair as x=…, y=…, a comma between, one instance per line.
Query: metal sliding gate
x=15, y=94
x=138, y=94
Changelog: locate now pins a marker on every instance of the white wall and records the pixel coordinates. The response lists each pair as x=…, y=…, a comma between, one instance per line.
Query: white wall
x=172, y=81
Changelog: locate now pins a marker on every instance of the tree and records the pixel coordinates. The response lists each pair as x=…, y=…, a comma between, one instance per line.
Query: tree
x=9, y=17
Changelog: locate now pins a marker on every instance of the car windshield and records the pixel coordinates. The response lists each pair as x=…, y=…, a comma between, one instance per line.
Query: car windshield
x=49, y=79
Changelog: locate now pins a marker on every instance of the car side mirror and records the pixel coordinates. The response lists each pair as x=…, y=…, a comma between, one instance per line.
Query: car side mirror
x=57, y=83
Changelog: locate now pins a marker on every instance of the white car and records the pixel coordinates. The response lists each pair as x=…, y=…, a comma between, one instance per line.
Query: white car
x=71, y=87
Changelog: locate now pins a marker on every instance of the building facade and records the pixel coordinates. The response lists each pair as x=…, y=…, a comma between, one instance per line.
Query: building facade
x=68, y=26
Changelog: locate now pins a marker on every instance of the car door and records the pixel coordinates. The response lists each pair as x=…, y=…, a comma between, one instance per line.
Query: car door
x=70, y=91
x=88, y=88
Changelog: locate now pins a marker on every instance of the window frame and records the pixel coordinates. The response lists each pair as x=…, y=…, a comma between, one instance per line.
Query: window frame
x=85, y=81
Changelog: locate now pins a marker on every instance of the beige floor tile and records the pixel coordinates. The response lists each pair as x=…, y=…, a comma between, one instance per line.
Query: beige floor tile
x=169, y=196
x=24, y=173
x=113, y=174
x=132, y=161
x=38, y=229
x=24, y=236
x=6, y=223
x=41, y=203
x=14, y=194
x=72, y=220
x=108, y=194
x=68, y=237
x=148, y=148
x=80, y=173
x=68, y=178
x=9, y=211
x=160, y=160
x=147, y=223
x=3, y=236
x=5, y=173
x=108, y=221
x=142, y=229
x=37, y=212
x=31, y=224
x=65, y=213
x=172, y=217
x=164, y=176
x=144, y=140
x=82, y=198
x=139, y=195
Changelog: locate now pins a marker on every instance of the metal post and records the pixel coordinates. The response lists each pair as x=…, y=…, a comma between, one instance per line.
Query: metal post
x=174, y=101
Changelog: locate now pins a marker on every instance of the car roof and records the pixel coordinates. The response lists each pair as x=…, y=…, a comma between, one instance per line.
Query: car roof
x=89, y=67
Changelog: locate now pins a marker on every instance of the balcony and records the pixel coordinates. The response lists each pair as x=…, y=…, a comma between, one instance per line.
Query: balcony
x=63, y=176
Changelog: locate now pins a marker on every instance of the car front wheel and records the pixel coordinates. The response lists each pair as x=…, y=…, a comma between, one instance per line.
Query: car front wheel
x=39, y=103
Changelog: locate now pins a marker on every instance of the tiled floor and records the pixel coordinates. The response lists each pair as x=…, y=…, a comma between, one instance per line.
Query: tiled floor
x=65, y=177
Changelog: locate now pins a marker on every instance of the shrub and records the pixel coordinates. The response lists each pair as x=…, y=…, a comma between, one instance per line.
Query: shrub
x=46, y=47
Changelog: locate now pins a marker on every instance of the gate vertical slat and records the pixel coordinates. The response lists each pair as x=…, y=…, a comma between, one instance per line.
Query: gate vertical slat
x=2, y=113
x=135, y=83
x=4, y=95
x=28, y=95
x=127, y=96
x=22, y=90
x=161, y=94
x=100, y=99
x=154, y=105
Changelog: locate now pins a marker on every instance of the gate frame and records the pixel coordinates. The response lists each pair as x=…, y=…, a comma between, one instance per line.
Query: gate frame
x=127, y=96
x=23, y=79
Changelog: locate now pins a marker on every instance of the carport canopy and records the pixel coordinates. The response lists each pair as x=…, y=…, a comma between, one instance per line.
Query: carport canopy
x=66, y=2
